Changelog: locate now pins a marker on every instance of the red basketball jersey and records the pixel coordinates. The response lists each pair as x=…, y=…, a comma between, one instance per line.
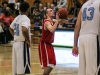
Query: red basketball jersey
x=47, y=36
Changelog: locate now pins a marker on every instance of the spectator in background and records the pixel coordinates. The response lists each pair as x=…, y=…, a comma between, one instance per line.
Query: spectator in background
x=1, y=32
x=37, y=2
x=48, y=5
x=0, y=9
x=54, y=2
x=74, y=10
x=21, y=1
x=41, y=10
x=5, y=7
x=54, y=9
x=62, y=4
x=45, y=6
x=7, y=20
x=36, y=17
x=33, y=8
x=12, y=5
x=3, y=1
x=25, y=0
x=17, y=4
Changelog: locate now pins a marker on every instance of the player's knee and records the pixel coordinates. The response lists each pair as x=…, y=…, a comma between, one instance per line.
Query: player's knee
x=21, y=74
x=45, y=73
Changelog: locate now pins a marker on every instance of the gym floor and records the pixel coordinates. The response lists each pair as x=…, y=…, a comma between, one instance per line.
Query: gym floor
x=66, y=63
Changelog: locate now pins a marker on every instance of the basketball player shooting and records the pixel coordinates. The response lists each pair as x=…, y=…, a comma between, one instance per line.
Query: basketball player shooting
x=46, y=50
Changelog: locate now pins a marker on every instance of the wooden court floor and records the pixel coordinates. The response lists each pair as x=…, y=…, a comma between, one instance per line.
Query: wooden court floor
x=6, y=63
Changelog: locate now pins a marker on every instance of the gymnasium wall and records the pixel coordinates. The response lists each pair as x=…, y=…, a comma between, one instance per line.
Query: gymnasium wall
x=44, y=1
x=70, y=3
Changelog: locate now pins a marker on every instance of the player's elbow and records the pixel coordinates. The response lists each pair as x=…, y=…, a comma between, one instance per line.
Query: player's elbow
x=10, y=29
x=52, y=30
x=77, y=27
x=24, y=29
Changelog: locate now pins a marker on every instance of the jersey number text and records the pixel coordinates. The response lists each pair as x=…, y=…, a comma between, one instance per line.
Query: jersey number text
x=16, y=29
x=88, y=17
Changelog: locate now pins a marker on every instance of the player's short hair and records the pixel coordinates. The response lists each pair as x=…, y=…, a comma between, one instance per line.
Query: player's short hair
x=24, y=6
x=46, y=11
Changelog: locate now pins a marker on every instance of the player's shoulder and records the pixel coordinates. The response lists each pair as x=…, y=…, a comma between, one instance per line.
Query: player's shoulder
x=86, y=3
x=46, y=21
x=24, y=17
x=16, y=18
x=91, y=3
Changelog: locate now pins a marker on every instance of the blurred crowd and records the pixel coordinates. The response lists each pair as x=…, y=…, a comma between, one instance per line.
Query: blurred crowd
x=9, y=9
x=38, y=8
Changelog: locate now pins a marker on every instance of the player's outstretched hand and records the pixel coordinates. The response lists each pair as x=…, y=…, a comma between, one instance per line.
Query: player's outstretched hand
x=75, y=51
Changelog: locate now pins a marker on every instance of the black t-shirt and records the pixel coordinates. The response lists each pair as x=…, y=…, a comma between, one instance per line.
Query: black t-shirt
x=37, y=2
x=77, y=4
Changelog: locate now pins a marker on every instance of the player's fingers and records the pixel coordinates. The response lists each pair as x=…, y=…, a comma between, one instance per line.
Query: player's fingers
x=29, y=44
x=57, y=16
x=74, y=53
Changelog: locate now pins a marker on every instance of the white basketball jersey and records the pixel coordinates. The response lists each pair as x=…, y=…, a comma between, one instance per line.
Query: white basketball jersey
x=90, y=20
x=17, y=5
x=16, y=25
x=11, y=1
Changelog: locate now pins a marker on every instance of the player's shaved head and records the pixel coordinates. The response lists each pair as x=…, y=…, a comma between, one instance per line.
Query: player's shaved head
x=49, y=9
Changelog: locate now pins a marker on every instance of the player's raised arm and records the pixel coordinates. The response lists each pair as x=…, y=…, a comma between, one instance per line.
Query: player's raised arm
x=50, y=27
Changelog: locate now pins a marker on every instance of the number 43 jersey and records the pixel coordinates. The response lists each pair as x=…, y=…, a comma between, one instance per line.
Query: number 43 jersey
x=90, y=19
x=16, y=25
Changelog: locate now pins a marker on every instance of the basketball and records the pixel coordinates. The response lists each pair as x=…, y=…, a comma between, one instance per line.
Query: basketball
x=62, y=12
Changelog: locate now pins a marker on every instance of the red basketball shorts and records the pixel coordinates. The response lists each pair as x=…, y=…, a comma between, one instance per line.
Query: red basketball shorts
x=46, y=55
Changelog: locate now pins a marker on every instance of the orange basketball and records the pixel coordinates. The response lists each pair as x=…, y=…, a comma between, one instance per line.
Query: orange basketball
x=62, y=12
